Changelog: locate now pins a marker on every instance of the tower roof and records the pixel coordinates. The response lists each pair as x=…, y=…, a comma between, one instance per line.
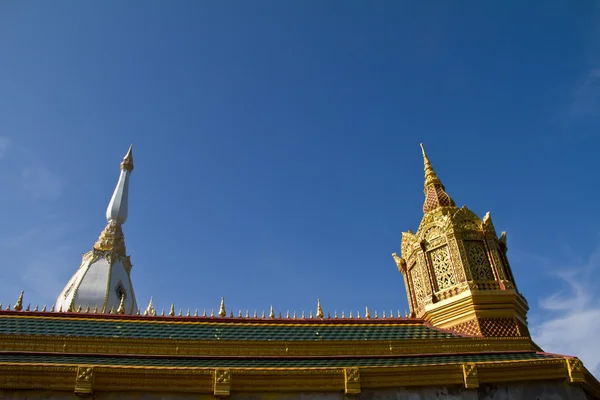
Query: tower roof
x=102, y=281
x=435, y=192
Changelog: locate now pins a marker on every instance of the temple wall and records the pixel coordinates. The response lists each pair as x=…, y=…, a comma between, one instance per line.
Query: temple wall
x=550, y=390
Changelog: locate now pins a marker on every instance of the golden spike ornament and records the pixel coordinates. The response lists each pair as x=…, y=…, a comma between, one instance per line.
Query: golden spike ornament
x=302, y=315
x=263, y=314
x=335, y=314
x=350, y=316
x=271, y=313
x=204, y=313
x=36, y=308
x=280, y=315
x=383, y=316
x=328, y=315
x=8, y=307
x=343, y=316
x=27, y=309
x=87, y=309
x=367, y=313
x=138, y=312
x=79, y=309
x=19, y=304
x=287, y=315
x=96, y=309
x=51, y=308
x=231, y=314
x=295, y=314
x=376, y=316
x=180, y=313
x=172, y=310
x=196, y=312
x=319, y=309
x=247, y=313
x=162, y=313
x=0, y=306
x=222, y=311
x=44, y=308
x=310, y=314
x=121, y=309
x=212, y=312
x=255, y=314
x=240, y=314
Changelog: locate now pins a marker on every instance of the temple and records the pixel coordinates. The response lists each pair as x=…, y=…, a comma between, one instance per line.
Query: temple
x=466, y=336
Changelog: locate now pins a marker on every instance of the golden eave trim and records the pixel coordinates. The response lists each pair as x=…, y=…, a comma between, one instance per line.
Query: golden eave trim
x=95, y=345
x=202, y=380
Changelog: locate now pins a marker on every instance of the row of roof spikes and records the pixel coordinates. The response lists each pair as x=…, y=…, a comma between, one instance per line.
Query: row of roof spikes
x=151, y=311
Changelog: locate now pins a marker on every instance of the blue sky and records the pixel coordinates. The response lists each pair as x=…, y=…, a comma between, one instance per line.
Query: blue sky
x=276, y=147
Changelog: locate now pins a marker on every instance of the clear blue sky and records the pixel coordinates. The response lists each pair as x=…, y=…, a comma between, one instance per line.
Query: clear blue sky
x=276, y=145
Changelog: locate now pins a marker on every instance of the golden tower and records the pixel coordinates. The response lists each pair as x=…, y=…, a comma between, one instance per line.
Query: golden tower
x=455, y=269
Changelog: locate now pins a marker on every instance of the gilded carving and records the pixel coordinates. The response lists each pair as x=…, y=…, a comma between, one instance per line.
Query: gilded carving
x=84, y=380
x=478, y=260
x=222, y=382
x=442, y=267
x=352, y=381
x=112, y=240
x=415, y=274
x=576, y=370
x=471, y=376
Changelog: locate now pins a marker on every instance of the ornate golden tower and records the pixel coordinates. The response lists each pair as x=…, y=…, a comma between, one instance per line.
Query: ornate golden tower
x=455, y=269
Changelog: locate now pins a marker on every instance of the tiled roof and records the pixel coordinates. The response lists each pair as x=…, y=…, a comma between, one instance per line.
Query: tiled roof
x=267, y=362
x=82, y=325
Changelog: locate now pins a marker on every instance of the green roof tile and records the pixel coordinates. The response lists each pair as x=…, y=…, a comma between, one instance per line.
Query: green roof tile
x=268, y=362
x=211, y=330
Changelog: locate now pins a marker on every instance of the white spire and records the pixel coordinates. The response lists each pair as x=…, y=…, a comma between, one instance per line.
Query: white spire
x=117, y=208
x=103, y=279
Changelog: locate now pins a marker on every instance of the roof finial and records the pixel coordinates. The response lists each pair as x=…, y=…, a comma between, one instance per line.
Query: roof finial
x=271, y=312
x=367, y=313
x=19, y=304
x=172, y=310
x=150, y=309
x=222, y=311
x=435, y=192
x=121, y=309
x=319, y=309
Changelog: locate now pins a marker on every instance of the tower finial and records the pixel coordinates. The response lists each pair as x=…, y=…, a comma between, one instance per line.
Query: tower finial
x=127, y=162
x=435, y=192
x=431, y=177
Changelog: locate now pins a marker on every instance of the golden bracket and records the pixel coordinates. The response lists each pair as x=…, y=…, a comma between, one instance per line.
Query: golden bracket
x=470, y=376
x=222, y=382
x=84, y=380
x=351, y=381
x=576, y=370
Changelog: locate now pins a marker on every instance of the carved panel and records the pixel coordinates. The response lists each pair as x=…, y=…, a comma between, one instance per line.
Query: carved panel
x=479, y=261
x=415, y=275
x=456, y=259
x=499, y=264
x=444, y=272
x=425, y=277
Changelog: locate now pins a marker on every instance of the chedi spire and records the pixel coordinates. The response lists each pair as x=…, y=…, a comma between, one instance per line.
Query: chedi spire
x=435, y=192
x=102, y=281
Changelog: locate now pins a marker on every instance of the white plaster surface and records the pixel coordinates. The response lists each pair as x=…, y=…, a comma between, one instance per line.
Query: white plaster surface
x=549, y=390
